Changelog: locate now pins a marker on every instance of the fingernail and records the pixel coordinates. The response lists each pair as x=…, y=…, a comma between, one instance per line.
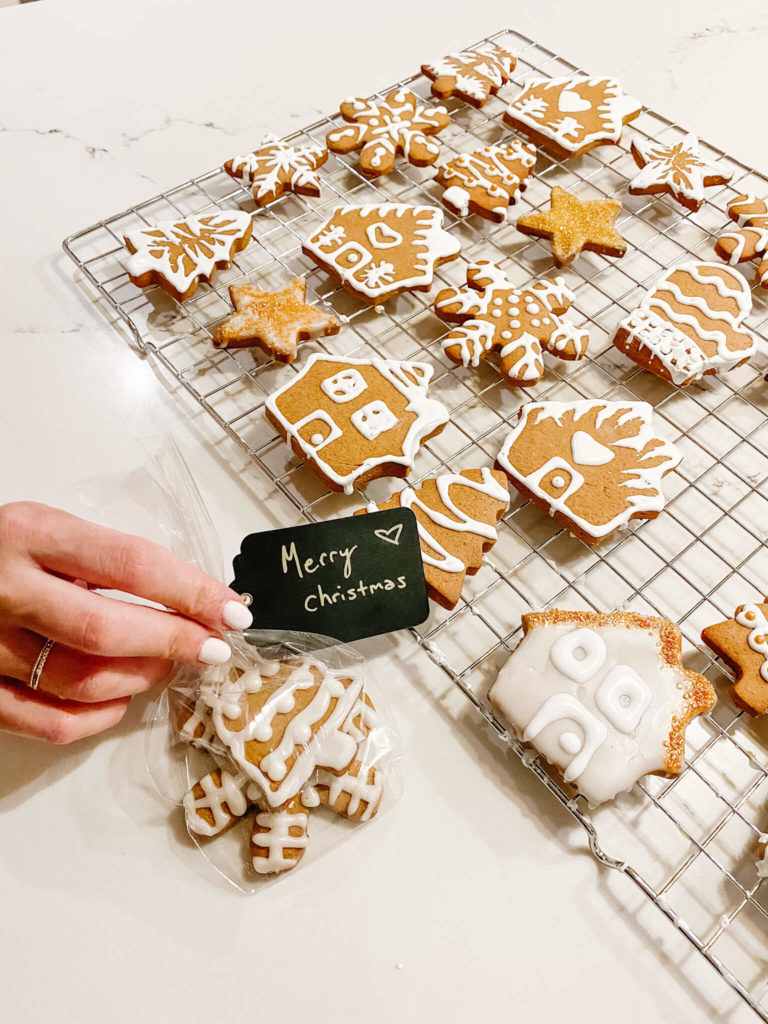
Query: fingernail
x=236, y=615
x=214, y=652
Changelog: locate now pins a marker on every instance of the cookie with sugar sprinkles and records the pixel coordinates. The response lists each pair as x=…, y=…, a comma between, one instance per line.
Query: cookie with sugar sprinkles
x=574, y=225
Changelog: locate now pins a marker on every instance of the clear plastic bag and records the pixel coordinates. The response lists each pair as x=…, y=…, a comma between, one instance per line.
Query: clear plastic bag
x=274, y=756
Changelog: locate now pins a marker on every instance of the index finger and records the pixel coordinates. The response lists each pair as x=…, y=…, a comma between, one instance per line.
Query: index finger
x=114, y=560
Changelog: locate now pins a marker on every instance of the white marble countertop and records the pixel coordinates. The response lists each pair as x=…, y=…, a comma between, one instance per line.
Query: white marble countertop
x=476, y=898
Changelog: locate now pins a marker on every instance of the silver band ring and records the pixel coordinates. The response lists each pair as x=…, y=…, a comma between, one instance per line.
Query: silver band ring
x=37, y=668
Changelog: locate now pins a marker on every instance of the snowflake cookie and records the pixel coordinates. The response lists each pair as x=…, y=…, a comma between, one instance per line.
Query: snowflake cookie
x=575, y=225
x=519, y=322
x=751, y=238
x=488, y=180
x=678, y=170
x=287, y=737
x=400, y=123
x=604, y=698
x=742, y=643
x=380, y=250
x=471, y=75
x=569, y=116
x=275, y=321
x=690, y=323
x=591, y=464
x=456, y=514
x=352, y=420
x=177, y=255
x=278, y=167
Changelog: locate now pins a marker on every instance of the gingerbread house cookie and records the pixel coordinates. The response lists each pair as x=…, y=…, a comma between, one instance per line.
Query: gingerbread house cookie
x=742, y=643
x=488, y=180
x=352, y=420
x=382, y=249
x=288, y=737
x=592, y=464
x=518, y=322
x=472, y=75
x=690, y=323
x=457, y=514
x=569, y=116
x=750, y=240
x=605, y=698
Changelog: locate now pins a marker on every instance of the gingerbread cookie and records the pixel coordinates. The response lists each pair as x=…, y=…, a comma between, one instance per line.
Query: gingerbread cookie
x=352, y=420
x=593, y=465
x=380, y=250
x=277, y=167
x=761, y=864
x=400, y=123
x=569, y=116
x=574, y=225
x=690, y=323
x=678, y=170
x=604, y=698
x=275, y=321
x=177, y=255
x=295, y=736
x=456, y=515
x=751, y=238
x=519, y=322
x=487, y=181
x=471, y=75
x=742, y=643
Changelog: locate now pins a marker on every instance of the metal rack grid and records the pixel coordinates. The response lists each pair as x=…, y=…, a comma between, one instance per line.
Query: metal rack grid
x=703, y=556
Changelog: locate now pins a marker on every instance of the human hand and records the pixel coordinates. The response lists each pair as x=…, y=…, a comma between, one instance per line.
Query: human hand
x=106, y=650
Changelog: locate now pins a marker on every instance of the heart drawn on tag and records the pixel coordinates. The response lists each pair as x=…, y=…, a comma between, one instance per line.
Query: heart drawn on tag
x=392, y=535
x=571, y=103
x=382, y=236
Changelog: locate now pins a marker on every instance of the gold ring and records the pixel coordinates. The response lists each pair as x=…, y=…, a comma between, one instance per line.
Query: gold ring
x=37, y=668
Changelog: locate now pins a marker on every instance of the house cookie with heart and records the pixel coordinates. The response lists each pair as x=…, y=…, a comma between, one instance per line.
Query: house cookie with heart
x=569, y=116
x=592, y=465
x=457, y=514
x=603, y=697
x=381, y=249
x=690, y=324
x=352, y=420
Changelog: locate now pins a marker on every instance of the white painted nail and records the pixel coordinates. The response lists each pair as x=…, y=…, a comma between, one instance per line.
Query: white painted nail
x=236, y=615
x=214, y=651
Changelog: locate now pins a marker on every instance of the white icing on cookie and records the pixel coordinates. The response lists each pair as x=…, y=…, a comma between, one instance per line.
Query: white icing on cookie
x=680, y=168
x=277, y=161
x=487, y=169
x=751, y=617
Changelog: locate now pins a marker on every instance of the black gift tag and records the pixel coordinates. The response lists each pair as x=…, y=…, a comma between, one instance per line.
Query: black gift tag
x=345, y=578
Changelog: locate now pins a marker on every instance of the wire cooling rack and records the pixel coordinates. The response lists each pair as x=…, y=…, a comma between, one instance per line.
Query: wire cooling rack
x=688, y=843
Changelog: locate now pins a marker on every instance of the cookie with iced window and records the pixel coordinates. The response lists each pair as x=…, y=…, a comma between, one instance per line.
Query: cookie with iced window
x=603, y=697
x=352, y=420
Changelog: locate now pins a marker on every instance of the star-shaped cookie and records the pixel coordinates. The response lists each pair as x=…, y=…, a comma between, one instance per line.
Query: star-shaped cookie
x=275, y=321
x=679, y=170
x=575, y=224
x=742, y=643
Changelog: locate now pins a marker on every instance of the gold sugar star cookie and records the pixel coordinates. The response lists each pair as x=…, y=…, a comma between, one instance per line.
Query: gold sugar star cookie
x=742, y=643
x=275, y=321
x=575, y=224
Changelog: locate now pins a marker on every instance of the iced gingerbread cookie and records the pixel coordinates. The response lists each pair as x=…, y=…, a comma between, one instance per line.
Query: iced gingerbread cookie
x=275, y=321
x=604, y=698
x=691, y=323
x=742, y=643
x=457, y=514
x=177, y=255
x=593, y=465
x=277, y=167
x=380, y=250
x=518, y=322
x=472, y=75
x=574, y=225
x=678, y=170
x=569, y=116
x=352, y=420
x=287, y=737
x=487, y=181
x=750, y=240
x=400, y=123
